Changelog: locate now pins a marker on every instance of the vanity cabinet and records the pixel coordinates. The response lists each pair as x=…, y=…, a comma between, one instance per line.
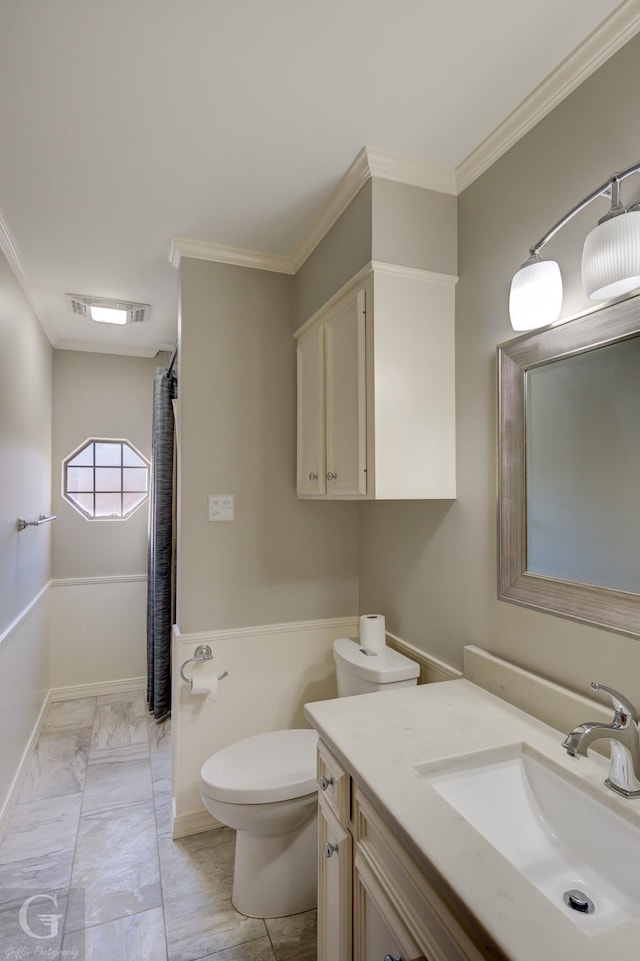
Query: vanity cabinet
x=374, y=901
x=376, y=389
x=334, y=887
x=380, y=932
x=335, y=859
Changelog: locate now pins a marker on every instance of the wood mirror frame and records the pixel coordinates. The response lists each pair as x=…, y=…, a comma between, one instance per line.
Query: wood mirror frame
x=601, y=607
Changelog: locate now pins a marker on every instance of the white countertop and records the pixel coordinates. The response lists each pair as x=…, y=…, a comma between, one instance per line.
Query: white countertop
x=380, y=737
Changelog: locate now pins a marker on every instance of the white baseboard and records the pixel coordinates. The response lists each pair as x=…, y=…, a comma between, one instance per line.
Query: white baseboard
x=122, y=686
x=116, y=608
x=16, y=785
x=194, y=823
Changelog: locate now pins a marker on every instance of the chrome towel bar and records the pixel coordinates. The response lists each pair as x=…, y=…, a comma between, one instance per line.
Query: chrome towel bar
x=21, y=523
x=202, y=653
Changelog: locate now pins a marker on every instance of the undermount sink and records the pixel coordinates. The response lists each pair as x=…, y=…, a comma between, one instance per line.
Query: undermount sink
x=548, y=827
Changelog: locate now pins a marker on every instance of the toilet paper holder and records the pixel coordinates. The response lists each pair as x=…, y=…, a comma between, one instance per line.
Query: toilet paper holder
x=202, y=653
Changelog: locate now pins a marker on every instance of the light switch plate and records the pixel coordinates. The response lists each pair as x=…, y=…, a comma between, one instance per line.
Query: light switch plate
x=222, y=507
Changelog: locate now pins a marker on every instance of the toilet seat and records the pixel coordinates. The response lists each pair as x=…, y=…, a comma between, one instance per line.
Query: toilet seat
x=275, y=766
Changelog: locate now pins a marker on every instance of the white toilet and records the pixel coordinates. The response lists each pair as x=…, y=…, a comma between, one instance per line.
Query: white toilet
x=360, y=670
x=265, y=787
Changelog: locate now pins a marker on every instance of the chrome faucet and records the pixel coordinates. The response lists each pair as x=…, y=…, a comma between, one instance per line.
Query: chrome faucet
x=624, y=770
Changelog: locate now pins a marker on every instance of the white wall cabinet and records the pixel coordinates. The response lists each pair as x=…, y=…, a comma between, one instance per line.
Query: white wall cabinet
x=376, y=389
x=396, y=911
x=331, y=402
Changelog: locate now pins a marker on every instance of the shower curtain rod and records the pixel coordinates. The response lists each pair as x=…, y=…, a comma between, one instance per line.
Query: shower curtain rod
x=173, y=360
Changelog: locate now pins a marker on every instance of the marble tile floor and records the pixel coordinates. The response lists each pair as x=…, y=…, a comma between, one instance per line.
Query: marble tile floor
x=90, y=841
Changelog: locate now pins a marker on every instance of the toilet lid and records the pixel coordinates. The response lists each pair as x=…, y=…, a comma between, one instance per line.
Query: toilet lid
x=378, y=667
x=275, y=766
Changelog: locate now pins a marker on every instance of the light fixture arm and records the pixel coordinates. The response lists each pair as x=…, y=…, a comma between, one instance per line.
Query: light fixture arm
x=609, y=187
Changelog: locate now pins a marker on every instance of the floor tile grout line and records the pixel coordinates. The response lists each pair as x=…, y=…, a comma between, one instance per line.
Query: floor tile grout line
x=66, y=931
x=121, y=917
x=164, y=913
x=231, y=947
x=155, y=821
x=155, y=757
x=75, y=846
x=273, y=947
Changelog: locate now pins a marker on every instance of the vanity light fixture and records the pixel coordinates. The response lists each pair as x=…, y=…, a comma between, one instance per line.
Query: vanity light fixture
x=610, y=260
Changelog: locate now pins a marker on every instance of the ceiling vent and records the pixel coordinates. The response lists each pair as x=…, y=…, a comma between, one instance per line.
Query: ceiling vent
x=104, y=310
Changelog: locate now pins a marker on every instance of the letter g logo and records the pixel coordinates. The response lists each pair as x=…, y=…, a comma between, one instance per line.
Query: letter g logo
x=49, y=921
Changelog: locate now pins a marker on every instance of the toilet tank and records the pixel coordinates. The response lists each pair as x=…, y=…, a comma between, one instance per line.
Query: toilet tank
x=360, y=671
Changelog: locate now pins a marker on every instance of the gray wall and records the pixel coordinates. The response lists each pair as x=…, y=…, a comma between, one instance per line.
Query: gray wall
x=99, y=395
x=25, y=489
x=341, y=253
x=25, y=435
x=282, y=559
x=431, y=567
x=414, y=227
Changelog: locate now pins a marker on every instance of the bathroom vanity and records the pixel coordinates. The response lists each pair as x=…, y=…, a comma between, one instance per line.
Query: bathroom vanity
x=432, y=838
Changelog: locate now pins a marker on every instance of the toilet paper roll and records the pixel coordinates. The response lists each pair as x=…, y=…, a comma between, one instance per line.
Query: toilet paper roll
x=205, y=681
x=372, y=632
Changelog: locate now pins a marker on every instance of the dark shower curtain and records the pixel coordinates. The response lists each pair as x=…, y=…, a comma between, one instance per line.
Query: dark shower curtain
x=160, y=585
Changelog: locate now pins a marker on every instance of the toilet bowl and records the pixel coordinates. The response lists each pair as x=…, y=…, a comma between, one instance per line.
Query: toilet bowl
x=265, y=788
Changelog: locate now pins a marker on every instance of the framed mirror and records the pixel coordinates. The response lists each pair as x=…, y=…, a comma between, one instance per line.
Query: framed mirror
x=569, y=468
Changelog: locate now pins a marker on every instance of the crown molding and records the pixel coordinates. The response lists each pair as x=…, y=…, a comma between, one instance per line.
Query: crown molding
x=10, y=251
x=338, y=201
x=416, y=173
x=335, y=205
x=599, y=46
x=367, y=164
x=371, y=163
x=120, y=349
x=201, y=250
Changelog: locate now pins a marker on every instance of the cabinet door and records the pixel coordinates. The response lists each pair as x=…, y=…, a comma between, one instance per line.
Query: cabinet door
x=334, y=887
x=345, y=404
x=311, y=412
x=379, y=934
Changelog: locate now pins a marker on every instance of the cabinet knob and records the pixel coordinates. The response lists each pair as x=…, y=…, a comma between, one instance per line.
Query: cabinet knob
x=324, y=782
x=331, y=476
x=329, y=849
x=390, y=957
x=313, y=477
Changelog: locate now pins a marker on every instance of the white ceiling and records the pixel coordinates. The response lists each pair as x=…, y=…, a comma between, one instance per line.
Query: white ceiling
x=126, y=122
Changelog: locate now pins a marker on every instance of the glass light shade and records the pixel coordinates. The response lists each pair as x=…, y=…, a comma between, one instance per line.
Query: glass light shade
x=535, y=298
x=611, y=257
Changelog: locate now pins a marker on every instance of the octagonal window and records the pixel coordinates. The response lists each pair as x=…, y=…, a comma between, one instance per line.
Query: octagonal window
x=105, y=479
